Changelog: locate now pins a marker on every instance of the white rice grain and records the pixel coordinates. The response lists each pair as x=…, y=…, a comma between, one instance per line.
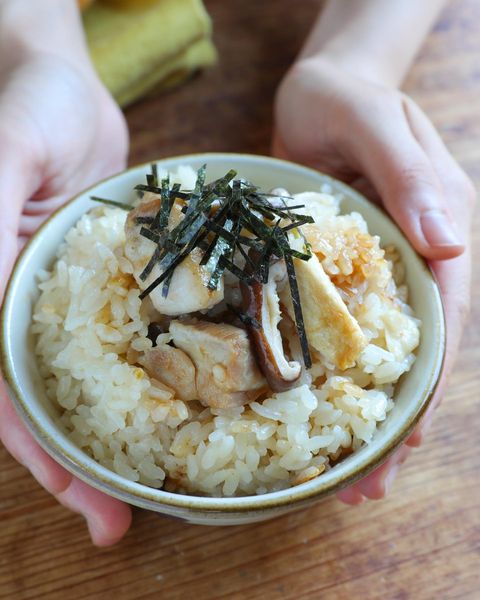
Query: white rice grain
x=89, y=314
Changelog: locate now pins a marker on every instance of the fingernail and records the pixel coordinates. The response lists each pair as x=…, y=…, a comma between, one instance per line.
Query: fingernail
x=390, y=478
x=100, y=536
x=96, y=530
x=438, y=229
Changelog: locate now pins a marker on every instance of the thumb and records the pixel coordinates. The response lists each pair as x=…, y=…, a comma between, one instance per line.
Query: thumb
x=408, y=184
x=10, y=208
x=15, y=188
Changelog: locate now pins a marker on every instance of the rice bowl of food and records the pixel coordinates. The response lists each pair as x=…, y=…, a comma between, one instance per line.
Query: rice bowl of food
x=221, y=338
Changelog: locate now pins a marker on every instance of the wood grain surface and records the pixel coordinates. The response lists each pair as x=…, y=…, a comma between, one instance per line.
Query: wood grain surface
x=423, y=541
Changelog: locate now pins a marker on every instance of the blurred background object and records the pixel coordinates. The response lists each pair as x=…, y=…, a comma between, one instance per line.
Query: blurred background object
x=147, y=45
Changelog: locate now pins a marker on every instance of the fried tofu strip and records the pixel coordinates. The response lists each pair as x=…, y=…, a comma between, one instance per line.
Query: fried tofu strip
x=330, y=328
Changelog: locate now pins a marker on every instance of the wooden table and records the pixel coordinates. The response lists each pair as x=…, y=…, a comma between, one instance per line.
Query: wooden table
x=423, y=541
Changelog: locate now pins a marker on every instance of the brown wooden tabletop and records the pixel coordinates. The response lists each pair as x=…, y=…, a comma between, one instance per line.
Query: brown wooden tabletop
x=423, y=541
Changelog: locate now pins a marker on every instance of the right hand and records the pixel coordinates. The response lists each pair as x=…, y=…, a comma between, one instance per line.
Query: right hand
x=60, y=131
x=376, y=139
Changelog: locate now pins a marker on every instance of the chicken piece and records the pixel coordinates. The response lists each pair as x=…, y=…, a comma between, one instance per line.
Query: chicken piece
x=330, y=328
x=227, y=375
x=173, y=368
x=188, y=288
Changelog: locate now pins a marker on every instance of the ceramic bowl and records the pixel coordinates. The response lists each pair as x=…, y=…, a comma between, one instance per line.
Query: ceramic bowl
x=412, y=395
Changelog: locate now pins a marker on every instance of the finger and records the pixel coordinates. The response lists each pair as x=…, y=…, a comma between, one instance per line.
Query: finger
x=350, y=496
x=458, y=189
x=417, y=438
x=459, y=192
x=453, y=277
x=11, y=200
x=108, y=519
x=15, y=188
x=28, y=224
x=402, y=173
x=8, y=247
x=26, y=451
x=36, y=211
x=377, y=484
x=37, y=206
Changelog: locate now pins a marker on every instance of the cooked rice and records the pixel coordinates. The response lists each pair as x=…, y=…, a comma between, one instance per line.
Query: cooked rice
x=91, y=329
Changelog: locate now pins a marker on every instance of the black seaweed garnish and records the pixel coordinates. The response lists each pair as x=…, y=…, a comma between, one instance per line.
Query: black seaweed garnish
x=237, y=227
x=152, y=177
x=160, y=220
x=244, y=318
x=295, y=295
x=121, y=205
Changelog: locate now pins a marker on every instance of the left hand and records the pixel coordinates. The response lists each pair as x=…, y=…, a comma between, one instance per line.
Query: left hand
x=379, y=141
x=60, y=131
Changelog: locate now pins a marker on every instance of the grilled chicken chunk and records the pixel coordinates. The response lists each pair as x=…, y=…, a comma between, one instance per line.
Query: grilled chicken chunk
x=227, y=375
x=188, y=289
x=174, y=368
x=330, y=328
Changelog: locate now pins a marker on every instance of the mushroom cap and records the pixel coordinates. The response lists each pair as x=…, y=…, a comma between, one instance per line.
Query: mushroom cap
x=261, y=303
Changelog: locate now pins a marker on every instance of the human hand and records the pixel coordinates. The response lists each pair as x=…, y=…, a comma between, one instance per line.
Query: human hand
x=60, y=131
x=379, y=141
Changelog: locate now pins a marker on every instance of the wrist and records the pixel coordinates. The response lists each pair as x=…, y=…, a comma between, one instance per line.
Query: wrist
x=358, y=63
x=373, y=39
x=29, y=28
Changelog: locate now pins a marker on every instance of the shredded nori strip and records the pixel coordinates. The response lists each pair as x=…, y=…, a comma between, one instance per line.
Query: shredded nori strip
x=295, y=295
x=175, y=192
x=294, y=207
x=151, y=263
x=121, y=205
x=160, y=221
x=166, y=284
x=226, y=219
x=298, y=223
x=149, y=234
x=213, y=266
x=152, y=178
x=220, y=186
x=154, y=189
x=167, y=272
x=266, y=255
x=197, y=192
x=154, y=173
x=237, y=271
x=245, y=319
x=144, y=220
